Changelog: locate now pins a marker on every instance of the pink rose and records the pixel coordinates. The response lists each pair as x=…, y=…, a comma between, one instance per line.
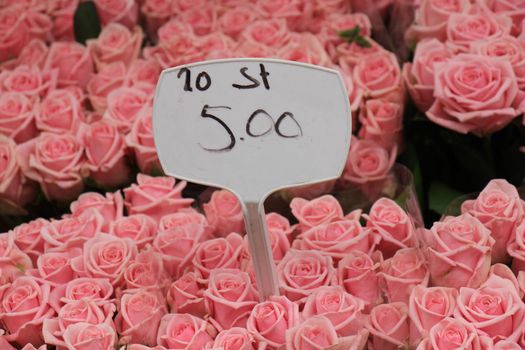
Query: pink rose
x=419, y=75
x=311, y=191
x=29, y=80
x=271, y=32
x=190, y=218
x=33, y=54
x=230, y=297
x=156, y=12
x=336, y=239
x=401, y=273
x=108, y=78
x=15, y=189
x=62, y=13
x=98, y=290
x=186, y=295
x=474, y=94
x=181, y=49
x=500, y=209
x=72, y=231
x=146, y=272
x=389, y=326
x=392, y=225
x=17, y=118
x=60, y=111
x=155, y=196
x=459, y=250
x=495, y=309
x=115, y=43
x=55, y=162
x=174, y=28
x=142, y=71
x=80, y=336
x=218, y=253
x=382, y=121
x=27, y=237
x=24, y=306
x=80, y=311
x=233, y=21
x=235, y=338
x=122, y=11
x=296, y=13
x=338, y=22
x=342, y=309
x=202, y=19
x=269, y=320
x=427, y=307
x=55, y=267
x=432, y=16
x=13, y=262
x=305, y=48
x=498, y=271
x=279, y=243
x=357, y=273
x=451, y=334
x=140, y=140
x=318, y=211
x=507, y=345
x=105, y=256
x=110, y=206
x=139, y=317
x=139, y=227
x=197, y=332
x=348, y=55
x=302, y=272
x=510, y=8
x=73, y=62
x=224, y=213
x=516, y=249
x=124, y=105
x=14, y=32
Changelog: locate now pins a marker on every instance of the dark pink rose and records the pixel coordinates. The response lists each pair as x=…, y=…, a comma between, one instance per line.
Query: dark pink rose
x=100, y=336
x=60, y=111
x=224, y=213
x=124, y=104
x=73, y=62
x=270, y=32
x=17, y=117
x=29, y=80
x=107, y=79
x=389, y=326
x=27, y=237
x=98, y=290
x=140, y=140
x=186, y=295
x=121, y=11
x=218, y=253
x=357, y=273
x=13, y=262
x=318, y=211
x=235, y=338
x=197, y=332
x=139, y=227
x=110, y=206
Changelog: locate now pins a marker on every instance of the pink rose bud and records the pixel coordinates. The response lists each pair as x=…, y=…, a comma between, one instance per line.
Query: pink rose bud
x=13, y=262
x=500, y=209
x=28, y=80
x=73, y=62
x=155, y=196
x=401, y=273
x=24, y=306
x=140, y=140
x=269, y=32
x=107, y=79
x=389, y=326
x=234, y=338
x=139, y=227
x=28, y=238
x=218, y=253
x=230, y=297
x=197, y=332
x=224, y=213
x=451, y=333
x=60, y=111
x=318, y=211
x=459, y=250
x=110, y=206
x=139, y=317
x=100, y=336
x=269, y=320
x=120, y=11
x=98, y=290
x=302, y=272
x=357, y=273
x=115, y=43
x=17, y=118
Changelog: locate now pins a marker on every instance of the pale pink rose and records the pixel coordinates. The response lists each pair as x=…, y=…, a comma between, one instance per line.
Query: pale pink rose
x=142, y=71
x=233, y=21
x=98, y=290
x=140, y=139
x=202, y=19
x=186, y=295
x=337, y=238
x=495, y=309
x=14, y=31
x=380, y=77
x=80, y=336
x=105, y=256
x=139, y=317
x=459, y=250
x=107, y=79
x=269, y=320
x=72, y=231
x=389, y=326
x=27, y=237
x=73, y=62
x=392, y=225
x=498, y=271
x=401, y=273
x=218, y=253
x=124, y=104
x=33, y=54
x=279, y=242
x=305, y=48
x=516, y=249
x=173, y=29
x=474, y=94
x=432, y=16
x=419, y=74
x=24, y=306
x=500, y=209
x=451, y=334
x=181, y=49
x=122, y=11
x=382, y=122
x=110, y=206
x=60, y=111
x=277, y=222
x=224, y=213
x=321, y=210
x=342, y=309
x=62, y=13
x=17, y=118
x=302, y=272
x=427, y=307
x=512, y=8
x=235, y=338
x=139, y=227
x=230, y=297
x=115, y=43
x=155, y=196
x=55, y=162
x=15, y=189
x=105, y=151
x=156, y=13
x=348, y=55
x=358, y=274
x=270, y=32
x=13, y=262
x=55, y=267
x=29, y=80
x=80, y=311
x=146, y=272
x=197, y=332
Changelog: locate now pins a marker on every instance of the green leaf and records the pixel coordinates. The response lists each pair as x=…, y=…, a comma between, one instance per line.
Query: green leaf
x=350, y=34
x=440, y=196
x=86, y=22
x=361, y=41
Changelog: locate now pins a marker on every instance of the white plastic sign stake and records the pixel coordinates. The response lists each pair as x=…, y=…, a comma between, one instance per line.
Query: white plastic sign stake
x=252, y=126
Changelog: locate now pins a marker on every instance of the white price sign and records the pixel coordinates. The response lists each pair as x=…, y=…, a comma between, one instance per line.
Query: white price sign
x=252, y=126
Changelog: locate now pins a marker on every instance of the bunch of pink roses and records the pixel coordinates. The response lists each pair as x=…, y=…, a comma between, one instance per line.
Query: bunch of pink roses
x=468, y=71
